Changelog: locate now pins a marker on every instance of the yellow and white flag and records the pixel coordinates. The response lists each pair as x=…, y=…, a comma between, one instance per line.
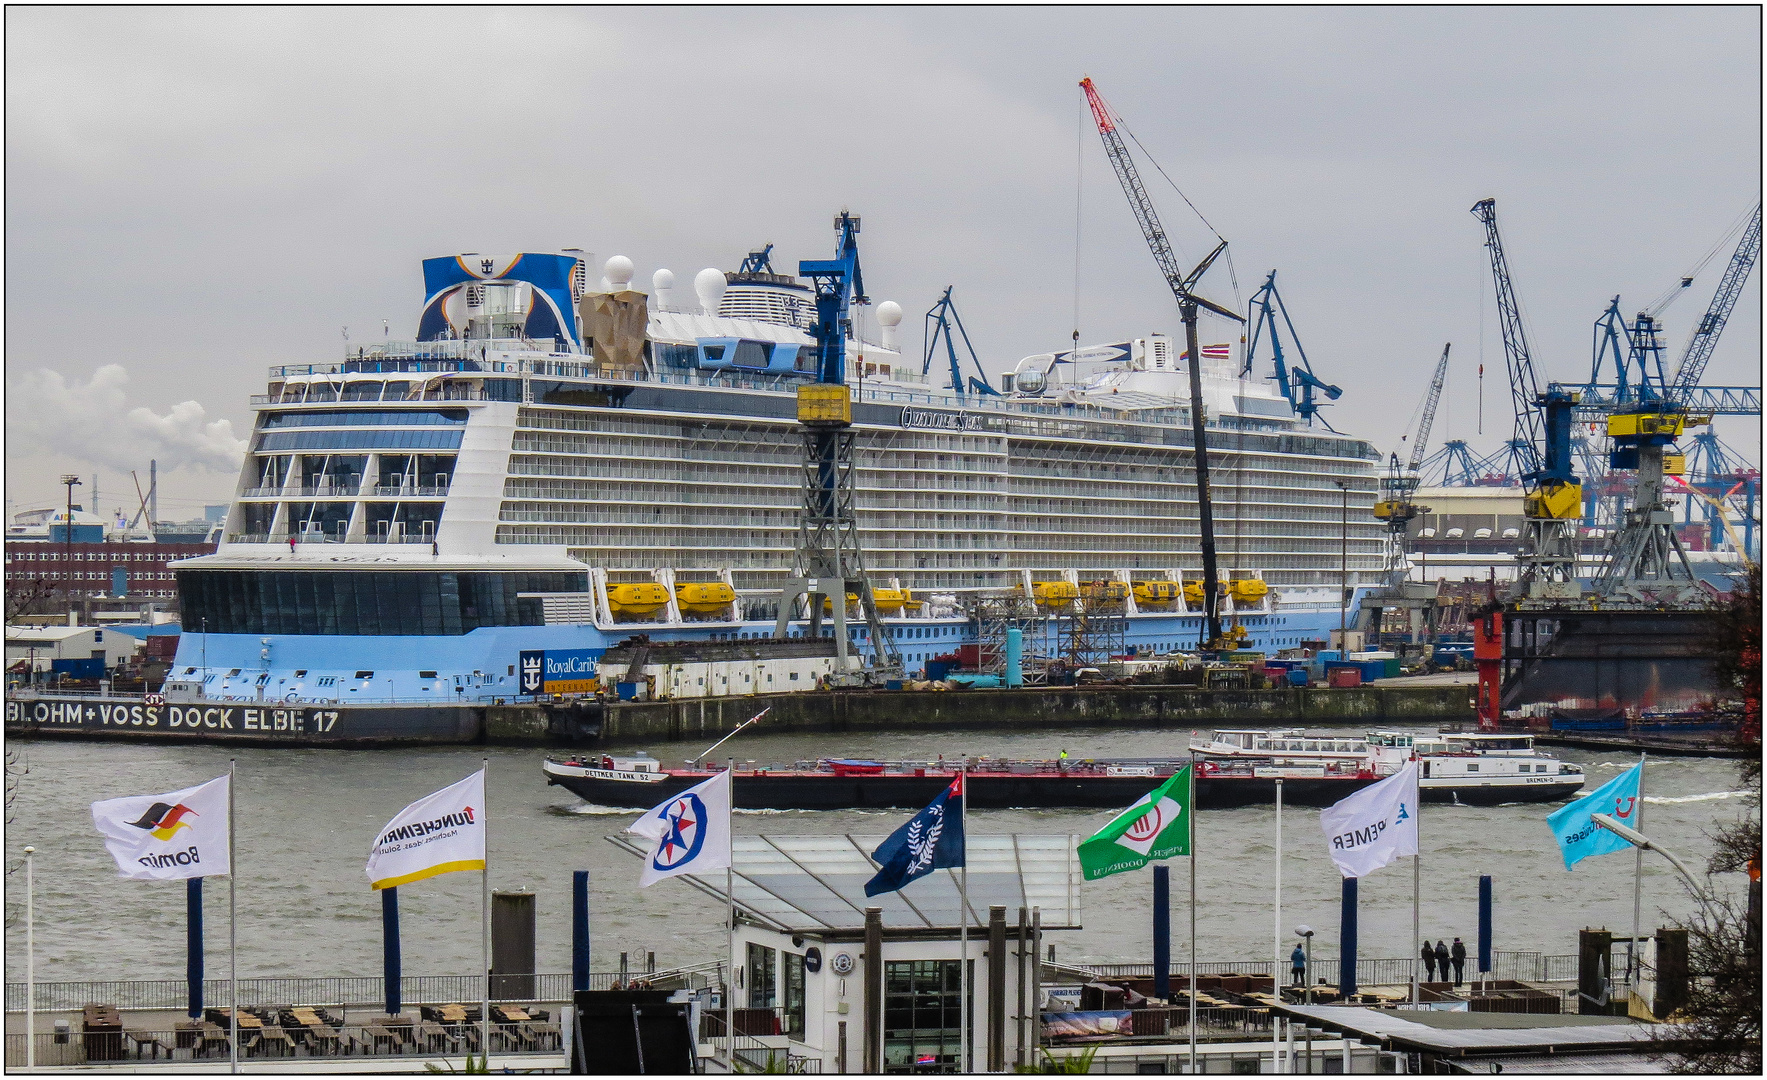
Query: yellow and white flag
x=437, y=834
x=181, y=834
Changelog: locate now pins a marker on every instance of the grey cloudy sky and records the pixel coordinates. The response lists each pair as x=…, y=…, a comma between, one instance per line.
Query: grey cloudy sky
x=194, y=194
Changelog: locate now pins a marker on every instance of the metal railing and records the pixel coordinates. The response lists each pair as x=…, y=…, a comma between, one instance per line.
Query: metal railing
x=338, y=991
x=209, y=1042
x=1370, y=971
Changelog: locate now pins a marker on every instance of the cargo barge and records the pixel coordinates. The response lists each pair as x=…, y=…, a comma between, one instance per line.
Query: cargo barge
x=1314, y=770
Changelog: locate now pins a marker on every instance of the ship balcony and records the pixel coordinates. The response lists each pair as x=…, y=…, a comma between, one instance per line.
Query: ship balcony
x=409, y=491
x=317, y=537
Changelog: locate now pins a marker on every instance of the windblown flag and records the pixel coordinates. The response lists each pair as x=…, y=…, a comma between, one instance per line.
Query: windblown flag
x=1579, y=836
x=931, y=840
x=437, y=834
x=1372, y=827
x=688, y=833
x=182, y=834
x=1156, y=827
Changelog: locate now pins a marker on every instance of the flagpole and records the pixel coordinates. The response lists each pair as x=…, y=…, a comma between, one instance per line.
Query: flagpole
x=30, y=964
x=1190, y=984
x=1416, y=881
x=1637, y=880
x=232, y=931
x=485, y=923
x=963, y=918
x=1276, y=939
x=730, y=938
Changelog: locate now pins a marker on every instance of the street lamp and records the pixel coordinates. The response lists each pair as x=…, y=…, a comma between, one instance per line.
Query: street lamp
x=67, y=542
x=1344, y=569
x=1643, y=842
x=1306, y=933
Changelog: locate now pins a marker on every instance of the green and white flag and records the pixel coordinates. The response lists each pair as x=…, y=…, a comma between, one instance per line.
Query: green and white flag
x=1156, y=827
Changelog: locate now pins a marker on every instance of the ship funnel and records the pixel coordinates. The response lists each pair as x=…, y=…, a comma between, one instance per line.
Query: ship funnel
x=616, y=276
x=710, y=284
x=662, y=290
x=889, y=316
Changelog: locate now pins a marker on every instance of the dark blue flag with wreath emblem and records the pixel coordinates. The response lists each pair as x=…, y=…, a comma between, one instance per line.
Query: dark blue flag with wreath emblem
x=932, y=840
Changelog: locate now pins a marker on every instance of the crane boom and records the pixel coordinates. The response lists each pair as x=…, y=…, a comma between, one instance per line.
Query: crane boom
x=1705, y=336
x=1428, y=421
x=1181, y=284
x=1524, y=388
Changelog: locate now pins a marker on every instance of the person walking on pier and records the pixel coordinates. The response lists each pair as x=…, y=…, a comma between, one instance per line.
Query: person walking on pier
x=1429, y=962
x=1458, y=955
x=1442, y=959
x=1297, y=962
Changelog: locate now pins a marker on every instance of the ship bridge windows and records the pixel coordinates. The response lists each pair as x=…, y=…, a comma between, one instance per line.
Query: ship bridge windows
x=363, y=602
x=272, y=441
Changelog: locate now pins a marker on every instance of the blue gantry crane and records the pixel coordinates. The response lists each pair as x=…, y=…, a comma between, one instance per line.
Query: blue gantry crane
x=938, y=325
x=1299, y=384
x=1542, y=442
x=829, y=564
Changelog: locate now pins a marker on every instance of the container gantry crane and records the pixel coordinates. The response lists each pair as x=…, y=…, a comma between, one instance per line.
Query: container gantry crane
x=1554, y=498
x=829, y=564
x=1182, y=284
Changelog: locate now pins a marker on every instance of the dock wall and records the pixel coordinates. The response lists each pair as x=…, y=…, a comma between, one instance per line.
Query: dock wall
x=1038, y=709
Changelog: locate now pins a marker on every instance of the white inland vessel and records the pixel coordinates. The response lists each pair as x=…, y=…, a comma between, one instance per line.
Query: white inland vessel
x=1474, y=769
x=550, y=469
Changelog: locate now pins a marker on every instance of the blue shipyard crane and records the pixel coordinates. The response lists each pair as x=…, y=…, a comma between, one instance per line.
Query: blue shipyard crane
x=1396, y=506
x=939, y=321
x=1717, y=475
x=1454, y=463
x=1182, y=283
x=1297, y=381
x=829, y=564
x=1646, y=562
x=1554, y=498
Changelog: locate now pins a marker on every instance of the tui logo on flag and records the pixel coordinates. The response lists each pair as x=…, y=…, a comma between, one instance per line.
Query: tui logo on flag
x=931, y=840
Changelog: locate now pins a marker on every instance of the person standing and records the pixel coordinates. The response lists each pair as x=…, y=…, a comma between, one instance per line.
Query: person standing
x=1458, y=955
x=1429, y=962
x=1297, y=962
x=1442, y=959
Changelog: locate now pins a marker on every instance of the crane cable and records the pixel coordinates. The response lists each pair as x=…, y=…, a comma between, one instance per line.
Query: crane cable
x=1686, y=280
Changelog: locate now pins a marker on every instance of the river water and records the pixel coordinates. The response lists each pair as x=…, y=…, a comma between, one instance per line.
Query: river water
x=306, y=818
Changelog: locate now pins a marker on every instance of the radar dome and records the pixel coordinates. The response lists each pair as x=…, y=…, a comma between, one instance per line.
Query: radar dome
x=662, y=289
x=618, y=273
x=889, y=316
x=710, y=284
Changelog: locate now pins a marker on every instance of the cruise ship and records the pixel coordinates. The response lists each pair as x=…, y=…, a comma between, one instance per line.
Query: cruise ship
x=554, y=466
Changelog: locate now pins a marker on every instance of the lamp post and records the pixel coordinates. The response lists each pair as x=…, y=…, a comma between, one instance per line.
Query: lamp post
x=1644, y=843
x=1344, y=568
x=1306, y=933
x=67, y=543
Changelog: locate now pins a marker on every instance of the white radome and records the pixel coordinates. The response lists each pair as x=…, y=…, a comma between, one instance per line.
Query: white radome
x=710, y=284
x=889, y=313
x=618, y=273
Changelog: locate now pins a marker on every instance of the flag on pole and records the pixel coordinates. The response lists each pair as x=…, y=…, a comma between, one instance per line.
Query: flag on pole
x=1156, y=827
x=181, y=834
x=1374, y=826
x=931, y=840
x=1580, y=837
x=689, y=832
x=437, y=834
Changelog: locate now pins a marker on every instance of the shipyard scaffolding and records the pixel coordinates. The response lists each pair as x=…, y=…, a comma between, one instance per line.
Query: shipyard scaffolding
x=1096, y=629
x=992, y=615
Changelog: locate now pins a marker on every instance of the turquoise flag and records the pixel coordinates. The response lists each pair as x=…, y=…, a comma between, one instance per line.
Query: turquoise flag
x=1580, y=837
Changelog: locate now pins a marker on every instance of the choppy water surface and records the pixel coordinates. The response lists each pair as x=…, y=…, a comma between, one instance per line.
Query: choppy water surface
x=306, y=818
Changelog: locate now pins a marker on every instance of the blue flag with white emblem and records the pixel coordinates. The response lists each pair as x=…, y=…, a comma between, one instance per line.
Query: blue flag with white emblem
x=1579, y=836
x=932, y=840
